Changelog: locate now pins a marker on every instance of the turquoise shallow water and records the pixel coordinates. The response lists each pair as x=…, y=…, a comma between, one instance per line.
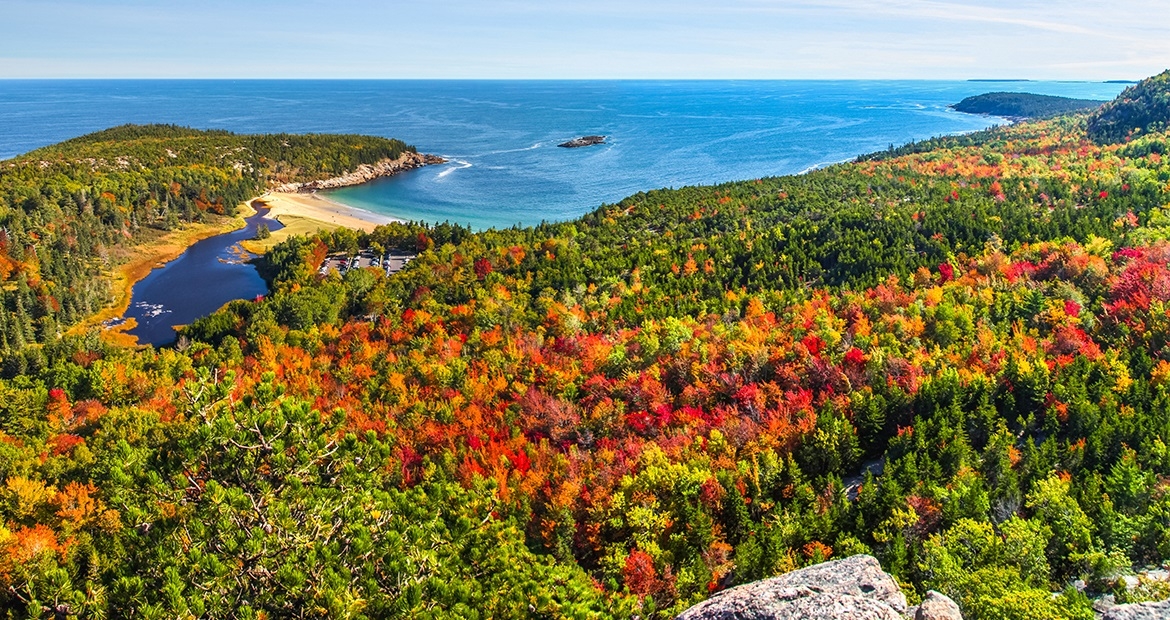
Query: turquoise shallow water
x=501, y=136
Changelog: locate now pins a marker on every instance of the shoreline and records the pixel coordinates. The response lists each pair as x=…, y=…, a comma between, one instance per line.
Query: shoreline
x=314, y=206
x=308, y=213
x=302, y=209
x=825, y=164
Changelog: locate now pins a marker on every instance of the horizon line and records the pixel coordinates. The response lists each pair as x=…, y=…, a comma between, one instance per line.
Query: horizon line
x=565, y=79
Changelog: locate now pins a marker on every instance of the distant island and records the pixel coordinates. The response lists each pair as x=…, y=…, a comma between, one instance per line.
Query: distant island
x=583, y=141
x=1018, y=106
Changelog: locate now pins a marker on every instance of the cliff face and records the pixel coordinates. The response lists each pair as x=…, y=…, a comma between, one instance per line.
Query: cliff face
x=364, y=173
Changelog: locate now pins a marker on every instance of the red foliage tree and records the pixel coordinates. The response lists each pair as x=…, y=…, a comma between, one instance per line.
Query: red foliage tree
x=483, y=267
x=639, y=574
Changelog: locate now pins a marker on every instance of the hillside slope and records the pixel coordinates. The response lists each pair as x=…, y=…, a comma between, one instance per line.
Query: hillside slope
x=1141, y=109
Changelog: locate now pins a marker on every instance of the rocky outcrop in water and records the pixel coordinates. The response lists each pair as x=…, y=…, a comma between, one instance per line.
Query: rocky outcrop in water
x=855, y=588
x=583, y=141
x=364, y=173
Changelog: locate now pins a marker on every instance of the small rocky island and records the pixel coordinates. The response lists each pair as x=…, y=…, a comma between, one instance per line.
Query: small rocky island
x=583, y=141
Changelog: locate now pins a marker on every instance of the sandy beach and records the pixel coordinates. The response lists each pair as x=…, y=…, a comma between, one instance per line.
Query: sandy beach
x=313, y=207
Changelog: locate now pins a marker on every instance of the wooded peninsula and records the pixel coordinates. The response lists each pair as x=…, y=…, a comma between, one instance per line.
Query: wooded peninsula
x=1020, y=106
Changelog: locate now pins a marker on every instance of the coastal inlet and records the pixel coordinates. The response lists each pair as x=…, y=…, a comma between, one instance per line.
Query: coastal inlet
x=218, y=269
x=209, y=274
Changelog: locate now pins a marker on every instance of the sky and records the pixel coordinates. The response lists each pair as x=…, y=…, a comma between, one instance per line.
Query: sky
x=585, y=39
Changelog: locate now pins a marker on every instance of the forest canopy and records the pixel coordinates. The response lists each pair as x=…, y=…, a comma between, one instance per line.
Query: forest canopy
x=954, y=355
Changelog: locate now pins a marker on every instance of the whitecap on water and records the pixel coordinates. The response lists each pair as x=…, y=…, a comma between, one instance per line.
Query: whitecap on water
x=449, y=170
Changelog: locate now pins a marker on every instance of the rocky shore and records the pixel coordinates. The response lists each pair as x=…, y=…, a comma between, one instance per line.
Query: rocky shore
x=364, y=173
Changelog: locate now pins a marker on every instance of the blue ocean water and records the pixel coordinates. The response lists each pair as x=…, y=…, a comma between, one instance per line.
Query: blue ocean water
x=501, y=136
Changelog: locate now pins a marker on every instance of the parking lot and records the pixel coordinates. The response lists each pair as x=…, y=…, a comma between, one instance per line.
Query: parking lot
x=390, y=262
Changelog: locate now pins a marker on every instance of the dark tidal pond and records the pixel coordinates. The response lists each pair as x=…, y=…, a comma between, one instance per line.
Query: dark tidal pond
x=209, y=274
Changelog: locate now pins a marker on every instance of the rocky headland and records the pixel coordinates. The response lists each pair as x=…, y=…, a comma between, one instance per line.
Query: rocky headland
x=364, y=173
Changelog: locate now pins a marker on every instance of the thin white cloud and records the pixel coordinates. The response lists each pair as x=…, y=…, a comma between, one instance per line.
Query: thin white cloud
x=928, y=10
x=1072, y=39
